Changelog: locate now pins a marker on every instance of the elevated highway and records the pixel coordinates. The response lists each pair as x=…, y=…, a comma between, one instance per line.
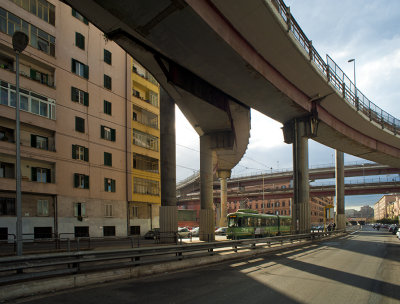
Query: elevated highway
x=256, y=54
x=218, y=60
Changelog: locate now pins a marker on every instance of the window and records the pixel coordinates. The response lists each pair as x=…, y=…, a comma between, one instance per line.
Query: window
x=109, y=185
x=42, y=208
x=79, y=17
x=79, y=152
x=79, y=96
x=135, y=211
x=107, y=107
x=9, y=23
x=41, y=175
x=81, y=231
x=108, y=230
x=29, y=101
x=81, y=181
x=135, y=230
x=107, y=82
x=107, y=159
x=79, y=124
x=39, y=142
x=107, y=56
x=41, y=77
x=80, y=40
x=7, y=170
x=80, y=209
x=153, y=98
x=108, y=210
x=145, y=140
x=107, y=133
x=144, y=117
x=283, y=203
x=42, y=9
x=145, y=163
x=42, y=232
x=7, y=206
x=80, y=69
x=145, y=186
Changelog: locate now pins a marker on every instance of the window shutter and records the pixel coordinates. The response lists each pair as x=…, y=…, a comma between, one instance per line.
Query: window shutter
x=86, y=182
x=83, y=209
x=74, y=13
x=76, y=209
x=105, y=106
x=86, y=99
x=73, y=94
x=102, y=131
x=73, y=68
x=34, y=174
x=86, y=71
x=105, y=185
x=33, y=74
x=86, y=154
x=112, y=134
x=33, y=140
x=48, y=176
x=73, y=151
x=76, y=180
x=112, y=185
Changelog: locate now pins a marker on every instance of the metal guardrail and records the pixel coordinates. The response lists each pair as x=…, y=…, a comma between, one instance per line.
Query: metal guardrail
x=340, y=81
x=30, y=267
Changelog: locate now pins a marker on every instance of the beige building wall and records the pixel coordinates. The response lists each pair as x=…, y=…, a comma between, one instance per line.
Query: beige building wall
x=385, y=206
x=60, y=129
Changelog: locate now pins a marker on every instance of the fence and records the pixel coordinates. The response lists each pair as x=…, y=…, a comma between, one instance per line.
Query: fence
x=340, y=81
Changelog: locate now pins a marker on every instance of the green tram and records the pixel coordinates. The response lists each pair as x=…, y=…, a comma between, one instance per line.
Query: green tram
x=247, y=223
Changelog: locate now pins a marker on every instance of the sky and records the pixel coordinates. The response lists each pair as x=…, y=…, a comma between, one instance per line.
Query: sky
x=367, y=30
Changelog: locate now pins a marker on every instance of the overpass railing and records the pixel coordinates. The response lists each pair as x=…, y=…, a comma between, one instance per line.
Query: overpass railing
x=340, y=81
x=31, y=267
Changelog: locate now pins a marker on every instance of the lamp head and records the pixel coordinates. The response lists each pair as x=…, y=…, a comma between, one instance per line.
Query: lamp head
x=19, y=41
x=351, y=60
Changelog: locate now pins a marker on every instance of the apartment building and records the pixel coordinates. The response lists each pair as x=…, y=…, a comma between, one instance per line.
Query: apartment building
x=145, y=203
x=76, y=115
x=387, y=207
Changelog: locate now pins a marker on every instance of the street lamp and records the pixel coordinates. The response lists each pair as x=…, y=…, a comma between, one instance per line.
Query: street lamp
x=19, y=41
x=354, y=64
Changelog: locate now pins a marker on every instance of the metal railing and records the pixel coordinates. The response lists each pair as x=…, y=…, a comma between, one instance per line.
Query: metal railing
x=340, y=81
x=30, y=267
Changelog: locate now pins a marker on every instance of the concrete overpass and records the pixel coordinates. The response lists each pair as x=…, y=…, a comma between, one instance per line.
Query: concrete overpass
x=249, y=55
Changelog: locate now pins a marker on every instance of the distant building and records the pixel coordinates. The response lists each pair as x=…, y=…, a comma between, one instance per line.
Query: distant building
x=367, y=212
x=352, y=213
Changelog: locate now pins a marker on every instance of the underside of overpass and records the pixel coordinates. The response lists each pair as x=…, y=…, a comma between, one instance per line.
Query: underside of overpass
x=218, y=60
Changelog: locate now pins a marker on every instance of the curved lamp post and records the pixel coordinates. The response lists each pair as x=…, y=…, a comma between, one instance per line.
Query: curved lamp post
x=19, y=41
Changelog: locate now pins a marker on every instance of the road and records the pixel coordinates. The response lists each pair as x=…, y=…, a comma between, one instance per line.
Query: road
x=360, y=268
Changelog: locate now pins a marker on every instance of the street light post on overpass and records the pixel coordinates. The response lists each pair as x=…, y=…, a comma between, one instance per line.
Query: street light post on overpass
x=354, y=73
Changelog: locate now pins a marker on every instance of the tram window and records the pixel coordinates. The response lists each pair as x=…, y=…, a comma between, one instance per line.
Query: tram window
x=232, y=222
x=259, y=222
x=240, y=222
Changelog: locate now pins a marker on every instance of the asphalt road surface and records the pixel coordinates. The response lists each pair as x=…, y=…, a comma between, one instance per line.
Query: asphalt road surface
x=361, y=268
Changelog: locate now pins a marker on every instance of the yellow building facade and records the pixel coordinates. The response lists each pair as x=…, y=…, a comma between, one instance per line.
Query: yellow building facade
x=145, y=147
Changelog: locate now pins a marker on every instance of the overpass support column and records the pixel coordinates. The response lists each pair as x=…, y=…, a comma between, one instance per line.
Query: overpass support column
x=168, y=209
x=223, y=175
x=339, y=174
x=207, y=220
x=297, y=132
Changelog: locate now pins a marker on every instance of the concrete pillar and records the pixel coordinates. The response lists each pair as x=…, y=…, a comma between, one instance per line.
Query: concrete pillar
x=207, y=221
x=339, y=174
x=168, y=209
x=223, y=175
x=301, y=193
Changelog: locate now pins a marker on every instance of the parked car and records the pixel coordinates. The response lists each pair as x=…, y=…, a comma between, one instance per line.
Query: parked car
x=398, y=233
x=195, y=231
x=221, y=231
x=391, y=227
x=152, y=234
x=184, y=232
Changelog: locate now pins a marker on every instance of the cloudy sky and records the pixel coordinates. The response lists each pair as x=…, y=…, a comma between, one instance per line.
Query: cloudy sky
x=367, y=30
